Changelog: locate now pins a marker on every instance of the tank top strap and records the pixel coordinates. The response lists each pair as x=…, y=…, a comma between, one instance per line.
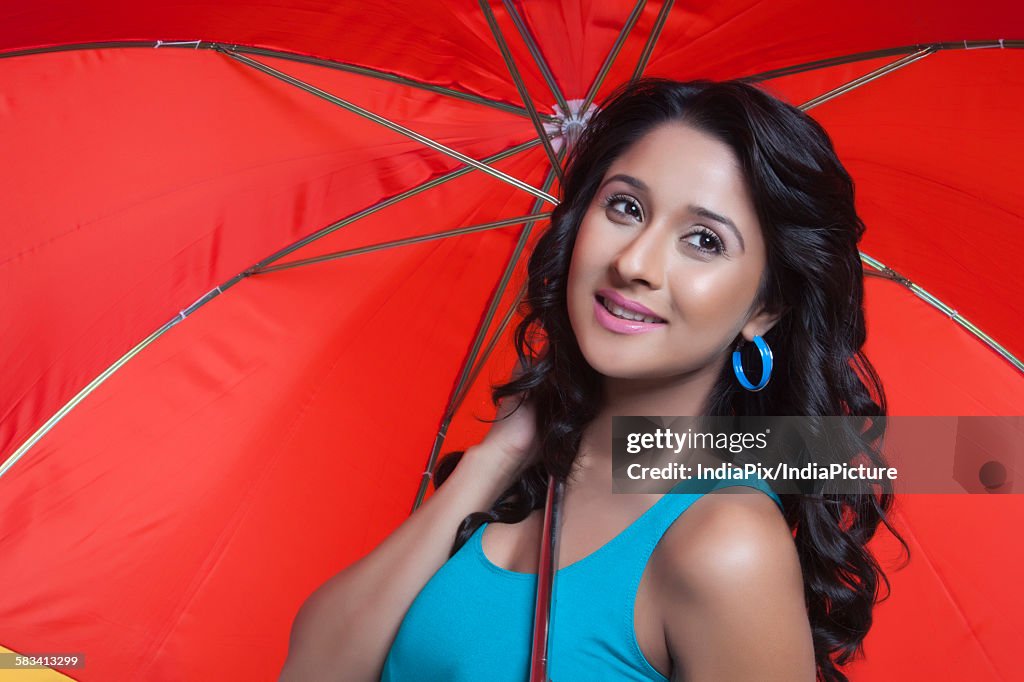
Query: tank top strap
x=686, y=492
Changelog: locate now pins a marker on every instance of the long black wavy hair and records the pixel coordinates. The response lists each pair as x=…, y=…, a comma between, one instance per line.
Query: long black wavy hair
x=804, y=200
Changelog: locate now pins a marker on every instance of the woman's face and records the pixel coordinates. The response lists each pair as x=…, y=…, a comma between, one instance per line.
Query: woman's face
x=671, y=228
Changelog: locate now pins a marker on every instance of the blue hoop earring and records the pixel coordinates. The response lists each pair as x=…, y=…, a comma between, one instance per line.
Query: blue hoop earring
x=766, y=365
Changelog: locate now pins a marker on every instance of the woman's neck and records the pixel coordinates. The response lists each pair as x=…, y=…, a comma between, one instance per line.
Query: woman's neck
x=681, y=395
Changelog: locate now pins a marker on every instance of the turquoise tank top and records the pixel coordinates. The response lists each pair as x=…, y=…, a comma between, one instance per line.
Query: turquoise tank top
x=473, y=620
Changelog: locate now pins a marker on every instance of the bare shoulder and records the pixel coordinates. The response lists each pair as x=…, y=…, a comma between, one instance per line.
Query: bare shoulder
x=737, y=530
x=731, y=587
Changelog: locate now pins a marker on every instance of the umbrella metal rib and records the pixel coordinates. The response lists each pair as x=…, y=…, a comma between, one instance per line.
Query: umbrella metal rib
x=367, y=71
x=482, y=227
x=506, y=55
x=430, y=184
x=398, y=128
x=867, y=78
x=480, y=361
x=874, y=54
x=612, y=54
x=81, y=395
x=394, y=78
x=645, y=54
x=889, y=273
x=462, y=383
x=538, y=58
x=489, y=348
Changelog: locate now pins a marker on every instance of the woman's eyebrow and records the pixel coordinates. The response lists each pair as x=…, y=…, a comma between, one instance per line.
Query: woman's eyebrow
x=717, y=217
x=629, y=180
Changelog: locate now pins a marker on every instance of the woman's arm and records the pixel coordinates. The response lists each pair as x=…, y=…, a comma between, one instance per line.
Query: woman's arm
x=344, y=630
x=735, y=594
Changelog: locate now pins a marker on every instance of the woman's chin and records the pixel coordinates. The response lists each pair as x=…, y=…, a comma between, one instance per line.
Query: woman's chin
x=617, y=366
x=614, y=364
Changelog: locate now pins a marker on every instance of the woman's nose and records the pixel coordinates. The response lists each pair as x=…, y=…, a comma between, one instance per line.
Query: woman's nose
x=643, y=258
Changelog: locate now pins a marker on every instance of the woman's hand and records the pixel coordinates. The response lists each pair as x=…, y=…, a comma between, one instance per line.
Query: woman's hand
x=511, y=444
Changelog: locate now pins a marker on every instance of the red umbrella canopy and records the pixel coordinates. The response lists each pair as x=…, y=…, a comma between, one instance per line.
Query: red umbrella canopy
x=235, y=322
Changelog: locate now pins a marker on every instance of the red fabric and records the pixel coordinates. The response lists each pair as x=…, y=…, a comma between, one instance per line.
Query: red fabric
x=172, y=522
x=928, y=146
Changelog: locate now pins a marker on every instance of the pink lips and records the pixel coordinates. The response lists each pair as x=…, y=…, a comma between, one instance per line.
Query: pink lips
x=623, y=302
x=619, y=325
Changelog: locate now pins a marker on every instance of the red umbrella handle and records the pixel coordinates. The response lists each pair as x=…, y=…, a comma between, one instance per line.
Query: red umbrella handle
x=546, y=566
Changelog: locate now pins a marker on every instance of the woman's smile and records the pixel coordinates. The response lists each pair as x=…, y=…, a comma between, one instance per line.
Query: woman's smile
x=621, y=315
x=616, y=319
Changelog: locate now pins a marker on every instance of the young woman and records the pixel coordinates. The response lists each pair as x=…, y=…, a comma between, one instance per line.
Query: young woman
x=697, y=218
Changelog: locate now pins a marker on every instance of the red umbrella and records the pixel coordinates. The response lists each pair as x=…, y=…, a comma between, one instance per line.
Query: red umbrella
x=219, y=388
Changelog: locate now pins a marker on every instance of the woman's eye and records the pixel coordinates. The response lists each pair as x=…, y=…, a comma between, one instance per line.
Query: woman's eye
x=629, y=207
x=705, y=241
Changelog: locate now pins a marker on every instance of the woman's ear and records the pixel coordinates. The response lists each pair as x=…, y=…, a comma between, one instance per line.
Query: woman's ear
x=762, y=321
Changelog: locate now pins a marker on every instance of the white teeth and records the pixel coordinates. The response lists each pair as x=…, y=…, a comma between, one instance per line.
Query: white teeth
x=619, y=311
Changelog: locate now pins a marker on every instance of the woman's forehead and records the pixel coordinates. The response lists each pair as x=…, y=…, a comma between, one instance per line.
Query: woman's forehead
x=674, y=151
